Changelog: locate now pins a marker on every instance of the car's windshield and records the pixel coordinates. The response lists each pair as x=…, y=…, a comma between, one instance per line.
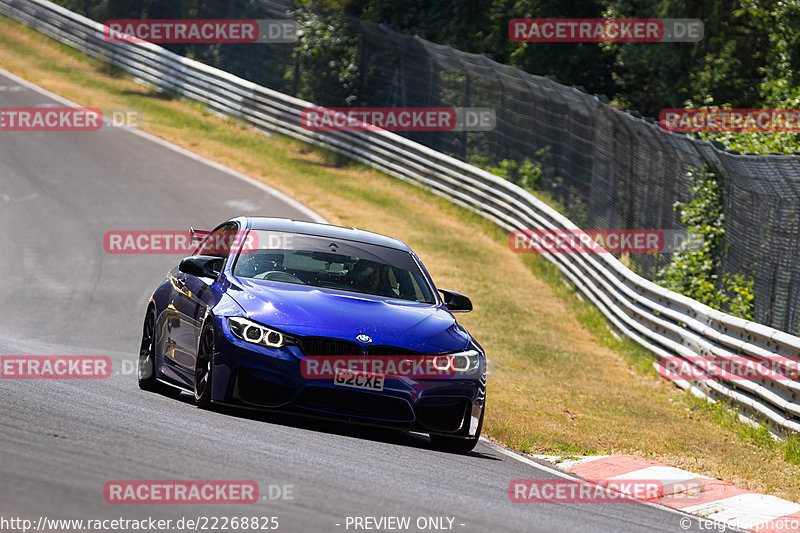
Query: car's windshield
x=332, y=263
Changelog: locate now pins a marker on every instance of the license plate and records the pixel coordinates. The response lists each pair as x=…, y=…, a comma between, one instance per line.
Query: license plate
x=357, y=379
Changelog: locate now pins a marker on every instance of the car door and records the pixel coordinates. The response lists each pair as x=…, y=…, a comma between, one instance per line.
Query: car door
x=193, y=295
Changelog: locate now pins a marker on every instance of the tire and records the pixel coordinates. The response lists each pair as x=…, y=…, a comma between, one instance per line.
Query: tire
x=147, y=354
x=204, y=368
x=147, y=359
x=456, y=445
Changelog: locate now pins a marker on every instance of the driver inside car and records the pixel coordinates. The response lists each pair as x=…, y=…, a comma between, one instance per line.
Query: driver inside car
x=367, y=276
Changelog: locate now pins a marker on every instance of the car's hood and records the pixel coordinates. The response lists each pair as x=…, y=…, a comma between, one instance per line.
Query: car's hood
x=305, y=310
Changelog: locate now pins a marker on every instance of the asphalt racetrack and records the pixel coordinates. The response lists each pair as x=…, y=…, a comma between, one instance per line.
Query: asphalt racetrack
x=62, y=440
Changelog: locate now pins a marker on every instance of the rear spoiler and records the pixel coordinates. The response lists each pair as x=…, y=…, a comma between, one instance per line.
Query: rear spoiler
x=198, y=234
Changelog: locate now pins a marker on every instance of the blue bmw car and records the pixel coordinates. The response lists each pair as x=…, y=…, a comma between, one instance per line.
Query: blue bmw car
x=264, y=301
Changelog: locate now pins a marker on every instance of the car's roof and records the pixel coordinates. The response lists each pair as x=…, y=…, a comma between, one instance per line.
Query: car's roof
x=325, y=230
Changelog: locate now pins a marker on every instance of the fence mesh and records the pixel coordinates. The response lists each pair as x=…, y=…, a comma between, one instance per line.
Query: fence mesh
x=608, y=168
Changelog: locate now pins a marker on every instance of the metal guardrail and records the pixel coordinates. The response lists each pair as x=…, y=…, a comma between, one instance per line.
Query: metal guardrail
x=668, y=324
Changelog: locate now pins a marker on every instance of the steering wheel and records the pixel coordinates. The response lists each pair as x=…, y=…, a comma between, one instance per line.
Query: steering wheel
x=279, y=275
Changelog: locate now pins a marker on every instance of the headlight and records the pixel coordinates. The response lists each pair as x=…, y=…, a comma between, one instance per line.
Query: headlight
x=255, y=333
x=465, y=361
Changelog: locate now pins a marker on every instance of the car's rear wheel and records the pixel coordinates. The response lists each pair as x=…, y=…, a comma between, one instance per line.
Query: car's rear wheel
x=456, y=445
x=147, y=353
x=204, y=367
x=147, y=359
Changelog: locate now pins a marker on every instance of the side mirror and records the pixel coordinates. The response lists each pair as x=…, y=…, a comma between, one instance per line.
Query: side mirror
x=201, y=266
x=456, y=302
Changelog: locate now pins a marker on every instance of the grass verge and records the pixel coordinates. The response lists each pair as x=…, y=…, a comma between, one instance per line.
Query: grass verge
x=559, y=382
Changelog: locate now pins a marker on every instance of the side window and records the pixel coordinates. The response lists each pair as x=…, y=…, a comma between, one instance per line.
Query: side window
x=218, y=243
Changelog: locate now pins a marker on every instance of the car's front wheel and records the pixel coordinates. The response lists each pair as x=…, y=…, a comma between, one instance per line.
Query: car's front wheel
x=456, y=445
x=204, y=367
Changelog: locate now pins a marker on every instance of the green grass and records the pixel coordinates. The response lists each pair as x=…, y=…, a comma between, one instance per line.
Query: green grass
x=759, y=435
x=590, y=317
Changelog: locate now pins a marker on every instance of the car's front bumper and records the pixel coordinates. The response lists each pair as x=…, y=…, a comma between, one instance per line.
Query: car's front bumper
x=261, y=378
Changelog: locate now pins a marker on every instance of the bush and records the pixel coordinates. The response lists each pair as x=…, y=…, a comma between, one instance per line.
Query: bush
x=693, y=268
